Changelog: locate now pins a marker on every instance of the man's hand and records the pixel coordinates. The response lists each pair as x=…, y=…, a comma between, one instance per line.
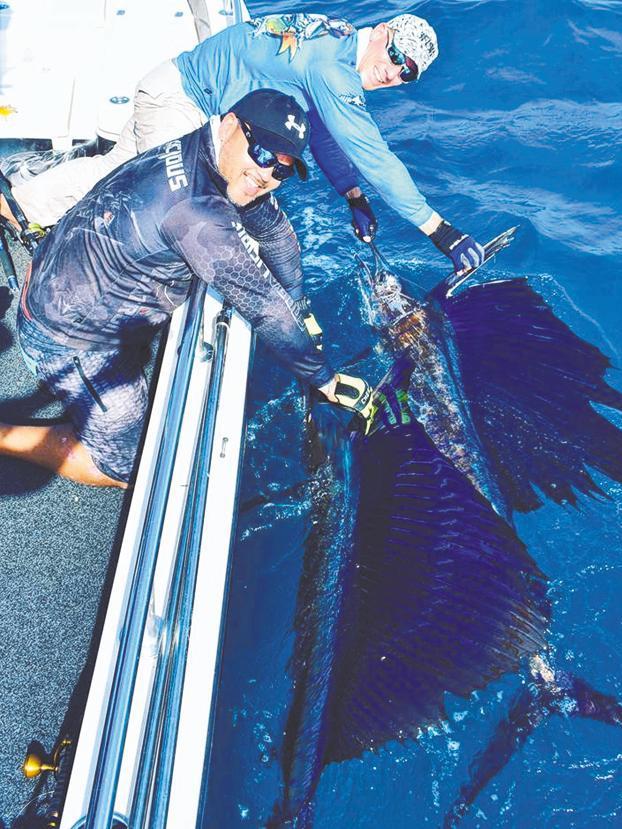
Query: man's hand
x=363, y=219
x=303, y=307
x=464, y=252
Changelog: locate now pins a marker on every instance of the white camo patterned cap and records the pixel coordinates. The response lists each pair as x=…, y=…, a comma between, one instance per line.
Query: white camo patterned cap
x=415, y=38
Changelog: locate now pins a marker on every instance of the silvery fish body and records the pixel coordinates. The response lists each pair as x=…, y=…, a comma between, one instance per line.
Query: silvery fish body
x=418, y=332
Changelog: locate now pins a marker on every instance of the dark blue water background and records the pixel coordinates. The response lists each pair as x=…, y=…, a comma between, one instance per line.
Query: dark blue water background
x=518, y=122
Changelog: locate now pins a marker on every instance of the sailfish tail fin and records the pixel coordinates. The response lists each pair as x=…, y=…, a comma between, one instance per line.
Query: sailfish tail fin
x=532, y=385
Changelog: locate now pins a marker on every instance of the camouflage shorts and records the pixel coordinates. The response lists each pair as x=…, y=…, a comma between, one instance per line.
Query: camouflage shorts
x=104, y=393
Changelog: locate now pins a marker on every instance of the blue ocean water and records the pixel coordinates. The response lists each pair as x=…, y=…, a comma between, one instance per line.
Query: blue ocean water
x=518, y=122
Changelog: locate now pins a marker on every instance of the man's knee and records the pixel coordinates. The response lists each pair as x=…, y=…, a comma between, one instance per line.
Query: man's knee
x=106, y=399
x=118, y=475
x=97, y=470
x=112, y=438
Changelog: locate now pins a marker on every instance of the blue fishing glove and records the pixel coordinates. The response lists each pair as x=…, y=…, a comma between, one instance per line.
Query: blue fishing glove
x=464, y=252
x=363, y=219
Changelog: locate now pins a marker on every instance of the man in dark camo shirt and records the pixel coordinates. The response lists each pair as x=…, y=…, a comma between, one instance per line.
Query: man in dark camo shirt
x=116, y=267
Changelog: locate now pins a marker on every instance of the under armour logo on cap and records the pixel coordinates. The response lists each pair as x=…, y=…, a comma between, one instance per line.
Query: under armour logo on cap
x=278, y=123
x=292, y=125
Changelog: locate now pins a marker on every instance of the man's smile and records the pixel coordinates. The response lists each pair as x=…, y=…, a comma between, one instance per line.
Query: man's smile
x=380, y=78
x=253, y=182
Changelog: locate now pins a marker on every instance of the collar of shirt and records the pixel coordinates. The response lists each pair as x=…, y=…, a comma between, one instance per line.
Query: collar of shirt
x=214, y=123
x=211, y=151
x=362, y=42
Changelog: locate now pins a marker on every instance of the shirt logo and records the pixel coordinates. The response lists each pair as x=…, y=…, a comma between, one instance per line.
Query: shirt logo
x=293, y=29
x=174, y=163
x=292, y=125
x=354, y=100
x=251, y=248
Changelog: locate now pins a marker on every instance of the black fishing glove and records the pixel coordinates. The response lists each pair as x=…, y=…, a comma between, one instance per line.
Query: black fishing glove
x=363, y=218
x=464, y=252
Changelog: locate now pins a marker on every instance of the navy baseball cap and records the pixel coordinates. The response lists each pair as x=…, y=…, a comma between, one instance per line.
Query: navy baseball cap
x=278, y=123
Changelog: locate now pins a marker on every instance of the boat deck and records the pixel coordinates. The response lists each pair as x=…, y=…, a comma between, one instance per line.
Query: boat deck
x=63, y=540
x=59, y=541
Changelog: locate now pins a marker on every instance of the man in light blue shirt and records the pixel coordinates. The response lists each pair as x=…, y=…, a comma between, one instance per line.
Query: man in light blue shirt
x=327, y=66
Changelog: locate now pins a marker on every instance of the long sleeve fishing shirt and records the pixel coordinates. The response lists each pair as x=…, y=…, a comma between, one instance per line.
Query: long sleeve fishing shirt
x=313, y=58
x=119, y=263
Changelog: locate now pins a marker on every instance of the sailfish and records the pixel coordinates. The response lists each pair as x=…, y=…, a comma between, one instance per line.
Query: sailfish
x=415, y=583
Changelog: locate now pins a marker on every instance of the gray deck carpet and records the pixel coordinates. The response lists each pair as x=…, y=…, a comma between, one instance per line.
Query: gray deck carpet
x=56, y=541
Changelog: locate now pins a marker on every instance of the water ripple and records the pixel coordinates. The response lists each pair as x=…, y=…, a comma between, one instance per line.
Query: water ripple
x=537, y=123
x=612, y=39
x=554, y=215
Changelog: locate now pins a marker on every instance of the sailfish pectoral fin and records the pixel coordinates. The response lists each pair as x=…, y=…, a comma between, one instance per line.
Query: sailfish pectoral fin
x=566, y=694
x=526, y=712
x=587, y=702
x=531, y=384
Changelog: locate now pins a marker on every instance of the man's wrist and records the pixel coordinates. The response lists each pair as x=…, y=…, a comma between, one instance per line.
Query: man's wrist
x=353, y=193
x=432, y=224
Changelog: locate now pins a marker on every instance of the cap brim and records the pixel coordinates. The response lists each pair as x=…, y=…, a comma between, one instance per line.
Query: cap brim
x=301, y=169
x=278, y=144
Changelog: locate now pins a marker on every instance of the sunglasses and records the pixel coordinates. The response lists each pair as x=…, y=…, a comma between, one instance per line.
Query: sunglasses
x=266, y=158
x=410, y=72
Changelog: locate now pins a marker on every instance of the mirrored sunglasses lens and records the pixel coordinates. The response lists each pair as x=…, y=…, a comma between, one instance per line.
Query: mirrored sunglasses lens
x=282, y=171
x=266, y=158
x=408, y=74
x=263, y=157
x=396, y=57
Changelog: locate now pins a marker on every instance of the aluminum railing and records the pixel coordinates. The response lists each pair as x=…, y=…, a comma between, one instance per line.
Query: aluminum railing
x=103, y=792
x=155, y=769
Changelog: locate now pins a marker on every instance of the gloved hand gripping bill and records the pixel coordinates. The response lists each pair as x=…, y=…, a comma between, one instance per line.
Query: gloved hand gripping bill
x=363, y=219
x=356, y=395
x=464, y=252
